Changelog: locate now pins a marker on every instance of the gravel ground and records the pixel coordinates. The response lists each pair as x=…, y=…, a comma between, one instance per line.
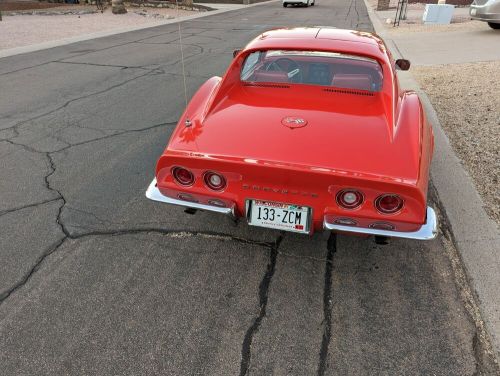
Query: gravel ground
x=459, y=23
x=469, y=112
x=25, y=30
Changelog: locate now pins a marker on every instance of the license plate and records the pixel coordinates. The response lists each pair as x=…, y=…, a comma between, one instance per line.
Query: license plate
x=473, y=12
x=279, y=216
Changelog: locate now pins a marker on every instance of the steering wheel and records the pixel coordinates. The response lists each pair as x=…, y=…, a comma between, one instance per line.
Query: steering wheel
x=292, y=69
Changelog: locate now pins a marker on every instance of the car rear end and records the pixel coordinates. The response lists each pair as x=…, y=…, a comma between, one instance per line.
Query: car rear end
x=486, y=10
x=294, y=198
x=297, y=2
x=303, y=140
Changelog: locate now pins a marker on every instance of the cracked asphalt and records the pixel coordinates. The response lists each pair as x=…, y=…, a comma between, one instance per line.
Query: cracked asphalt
x=97, y=280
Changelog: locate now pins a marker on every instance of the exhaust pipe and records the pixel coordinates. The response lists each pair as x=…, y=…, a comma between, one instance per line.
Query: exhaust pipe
x=382, y=240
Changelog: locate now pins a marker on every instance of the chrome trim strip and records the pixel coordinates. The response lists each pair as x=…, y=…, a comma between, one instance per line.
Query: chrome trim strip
x=428, y=231
x=153, y=193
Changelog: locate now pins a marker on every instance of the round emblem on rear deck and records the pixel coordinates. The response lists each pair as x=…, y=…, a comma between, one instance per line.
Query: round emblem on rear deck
x=294, y=122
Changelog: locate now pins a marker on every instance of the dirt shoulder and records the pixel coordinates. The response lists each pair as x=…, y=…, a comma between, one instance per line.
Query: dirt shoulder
x=469, y=112
x=25, y=29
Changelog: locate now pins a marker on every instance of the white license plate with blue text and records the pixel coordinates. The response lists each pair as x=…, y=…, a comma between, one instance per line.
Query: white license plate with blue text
x=279, y=216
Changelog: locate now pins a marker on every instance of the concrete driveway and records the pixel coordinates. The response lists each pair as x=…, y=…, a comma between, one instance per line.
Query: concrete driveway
x=96, y=279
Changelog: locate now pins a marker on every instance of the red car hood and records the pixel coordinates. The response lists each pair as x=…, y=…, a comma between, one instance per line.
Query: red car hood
x=345, y=132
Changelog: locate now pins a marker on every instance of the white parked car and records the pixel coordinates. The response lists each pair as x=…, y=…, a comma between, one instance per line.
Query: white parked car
x=487, y=11
x=298, y=2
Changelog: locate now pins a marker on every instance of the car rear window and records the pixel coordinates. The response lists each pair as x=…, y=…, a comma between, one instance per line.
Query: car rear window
x=313, y=68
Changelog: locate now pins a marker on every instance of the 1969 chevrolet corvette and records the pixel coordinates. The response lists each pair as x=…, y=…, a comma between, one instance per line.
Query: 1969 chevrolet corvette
x=307, y=130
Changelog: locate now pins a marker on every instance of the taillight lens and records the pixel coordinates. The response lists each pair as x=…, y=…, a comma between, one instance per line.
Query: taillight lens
x=183, y=176
x=214, y=181
x=389, y=203
x=349, y=198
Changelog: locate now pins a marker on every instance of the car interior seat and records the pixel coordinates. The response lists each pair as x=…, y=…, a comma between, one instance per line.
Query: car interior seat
x=353, y=81
x=270, y=76
x=319, y=74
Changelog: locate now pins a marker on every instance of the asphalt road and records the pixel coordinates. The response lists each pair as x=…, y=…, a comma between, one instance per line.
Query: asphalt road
x=96, y=279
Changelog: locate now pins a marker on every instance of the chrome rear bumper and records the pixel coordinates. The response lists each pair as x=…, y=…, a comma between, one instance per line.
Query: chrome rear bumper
x=427, y=232
x=153, y=193
x=484, y=12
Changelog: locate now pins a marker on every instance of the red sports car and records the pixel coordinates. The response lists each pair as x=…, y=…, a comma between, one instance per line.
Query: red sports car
x=307, y=130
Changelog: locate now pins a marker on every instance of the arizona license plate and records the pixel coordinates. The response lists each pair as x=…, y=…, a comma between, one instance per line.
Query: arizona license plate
x=279, y=216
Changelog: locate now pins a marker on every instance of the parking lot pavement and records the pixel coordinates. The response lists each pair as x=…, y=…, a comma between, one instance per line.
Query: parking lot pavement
x=107, y=282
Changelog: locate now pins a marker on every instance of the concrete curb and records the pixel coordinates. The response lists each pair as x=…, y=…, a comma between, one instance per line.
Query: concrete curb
x=475, y=236
x=101, y=34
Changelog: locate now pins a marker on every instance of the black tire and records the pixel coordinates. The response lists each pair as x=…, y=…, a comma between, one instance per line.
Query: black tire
x=494, y=25
x=314, y=2
x=284, y=5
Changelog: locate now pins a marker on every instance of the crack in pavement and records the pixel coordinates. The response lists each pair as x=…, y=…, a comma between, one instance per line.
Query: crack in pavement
x=140, y=40
x=52, y=167
x=68, y=235
x=103, y=65
x=327, y=305
x=87, y=52
x=52, y=170
x=127, y=231
x=35, y=267
x=114, y=135
x=7, y=211
x=149, y=71
x=357, y=15
x=186, y=23
x=67, y=103
x=73, y=144
x=263, y=299
x=172, y=234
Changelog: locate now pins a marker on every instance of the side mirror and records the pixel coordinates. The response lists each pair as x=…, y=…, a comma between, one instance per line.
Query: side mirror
x=403, y=64
x=235, y=53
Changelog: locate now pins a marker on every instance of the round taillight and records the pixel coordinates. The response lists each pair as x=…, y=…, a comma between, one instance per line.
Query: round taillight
x=183, y=176
x=389, y=203
x=214, y=181
x=349, y=198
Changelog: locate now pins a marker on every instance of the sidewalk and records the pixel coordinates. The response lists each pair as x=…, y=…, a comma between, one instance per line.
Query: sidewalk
x=463, y=41
x=459, y=66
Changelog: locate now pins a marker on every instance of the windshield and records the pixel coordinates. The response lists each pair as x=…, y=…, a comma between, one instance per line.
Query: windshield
x=313, y=68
